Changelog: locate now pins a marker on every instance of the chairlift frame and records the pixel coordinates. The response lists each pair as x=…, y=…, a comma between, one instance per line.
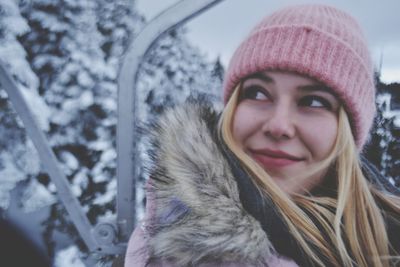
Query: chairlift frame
x=109, y=237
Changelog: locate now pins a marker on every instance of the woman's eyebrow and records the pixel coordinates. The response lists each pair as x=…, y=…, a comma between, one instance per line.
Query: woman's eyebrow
x=261, y=76
x=316, y=87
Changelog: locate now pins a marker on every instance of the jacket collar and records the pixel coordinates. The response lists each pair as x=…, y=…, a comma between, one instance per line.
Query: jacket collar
x=199, y=216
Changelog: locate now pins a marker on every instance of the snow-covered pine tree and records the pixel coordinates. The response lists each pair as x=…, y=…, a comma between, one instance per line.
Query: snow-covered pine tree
x=173, y=71
x=393, y=148
x=117, y=21
x=75, y=47
x=382, y=147
x=64, y=48
x=18, y=158
x=218, y=71
x=174, y=68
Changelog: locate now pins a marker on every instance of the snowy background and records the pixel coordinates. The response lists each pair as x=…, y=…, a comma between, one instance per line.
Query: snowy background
x=65, y=56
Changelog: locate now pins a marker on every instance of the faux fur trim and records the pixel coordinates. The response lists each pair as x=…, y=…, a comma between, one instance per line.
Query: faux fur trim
x=199, y=217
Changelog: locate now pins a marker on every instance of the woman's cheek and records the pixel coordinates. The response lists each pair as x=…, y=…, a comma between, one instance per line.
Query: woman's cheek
x=321, y=136
x=244, y=123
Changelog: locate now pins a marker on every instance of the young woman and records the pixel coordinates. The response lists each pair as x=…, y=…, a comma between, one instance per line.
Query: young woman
x=278, y=178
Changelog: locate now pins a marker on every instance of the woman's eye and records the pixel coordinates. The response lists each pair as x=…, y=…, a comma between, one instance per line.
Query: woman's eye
x=315, y=102
x=255, y=93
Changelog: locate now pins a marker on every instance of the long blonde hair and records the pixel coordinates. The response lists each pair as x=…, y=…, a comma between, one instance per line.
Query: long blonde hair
x=352, y=220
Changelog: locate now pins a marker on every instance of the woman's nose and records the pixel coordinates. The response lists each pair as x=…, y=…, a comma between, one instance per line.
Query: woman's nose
x=279, y=123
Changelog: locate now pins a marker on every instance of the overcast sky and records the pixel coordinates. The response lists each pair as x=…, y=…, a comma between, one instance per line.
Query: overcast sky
x=218, y=31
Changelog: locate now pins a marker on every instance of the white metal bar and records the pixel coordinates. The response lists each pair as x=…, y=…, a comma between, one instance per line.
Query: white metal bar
x=127, y=160
x=48, y=159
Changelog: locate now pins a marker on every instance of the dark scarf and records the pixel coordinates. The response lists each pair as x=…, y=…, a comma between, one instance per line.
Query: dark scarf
x=263, y=210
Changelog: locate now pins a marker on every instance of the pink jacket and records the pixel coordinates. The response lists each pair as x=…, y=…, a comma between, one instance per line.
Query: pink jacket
x=138, y=255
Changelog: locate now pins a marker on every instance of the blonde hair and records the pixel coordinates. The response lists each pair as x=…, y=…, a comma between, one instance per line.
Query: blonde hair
x=352, y=221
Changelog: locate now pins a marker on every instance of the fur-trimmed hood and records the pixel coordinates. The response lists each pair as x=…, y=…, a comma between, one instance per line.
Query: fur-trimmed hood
x=199, y=217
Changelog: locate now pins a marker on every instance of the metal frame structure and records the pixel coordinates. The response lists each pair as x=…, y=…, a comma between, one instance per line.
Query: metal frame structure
x=112, y=237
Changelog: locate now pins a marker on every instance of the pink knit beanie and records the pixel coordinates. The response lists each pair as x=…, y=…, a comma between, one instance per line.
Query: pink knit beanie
x=320, y=42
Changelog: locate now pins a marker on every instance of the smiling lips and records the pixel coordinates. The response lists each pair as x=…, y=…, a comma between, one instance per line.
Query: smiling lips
x=274, y=158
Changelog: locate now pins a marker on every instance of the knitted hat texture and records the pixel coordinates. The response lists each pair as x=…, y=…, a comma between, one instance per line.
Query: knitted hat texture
x=320, y=42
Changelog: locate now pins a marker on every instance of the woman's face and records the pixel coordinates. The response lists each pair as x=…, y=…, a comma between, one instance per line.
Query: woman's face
x=287, y=123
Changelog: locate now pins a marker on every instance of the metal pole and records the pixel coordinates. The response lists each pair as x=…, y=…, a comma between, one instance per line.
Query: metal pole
x=127, y=158
x=48, y=159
